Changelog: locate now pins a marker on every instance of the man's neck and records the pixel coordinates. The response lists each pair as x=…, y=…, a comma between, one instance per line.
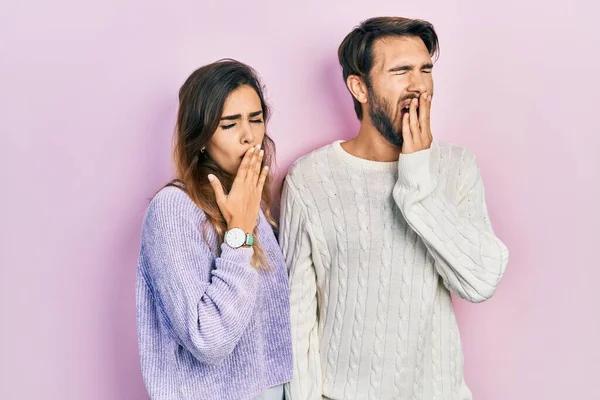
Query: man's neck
x=369, y=144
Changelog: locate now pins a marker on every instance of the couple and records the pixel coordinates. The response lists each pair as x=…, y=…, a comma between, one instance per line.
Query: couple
x=354, y=299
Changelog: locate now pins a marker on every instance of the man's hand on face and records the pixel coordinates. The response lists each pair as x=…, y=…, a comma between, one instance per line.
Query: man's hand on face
x=416, y=130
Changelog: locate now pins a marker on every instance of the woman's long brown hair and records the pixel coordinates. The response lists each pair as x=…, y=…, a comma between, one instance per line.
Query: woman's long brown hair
x=201, y=101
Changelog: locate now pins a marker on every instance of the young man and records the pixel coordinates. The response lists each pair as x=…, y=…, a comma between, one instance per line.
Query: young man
x=379, y=230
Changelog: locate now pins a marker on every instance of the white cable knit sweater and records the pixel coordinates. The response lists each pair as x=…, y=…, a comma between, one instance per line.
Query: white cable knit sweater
x=373, y=251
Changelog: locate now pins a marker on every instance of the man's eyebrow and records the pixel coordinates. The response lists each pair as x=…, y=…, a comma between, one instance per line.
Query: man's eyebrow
x=407, y=67
x=401, y=68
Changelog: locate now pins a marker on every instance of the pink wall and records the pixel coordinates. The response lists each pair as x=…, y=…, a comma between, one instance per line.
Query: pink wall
x=87, y=102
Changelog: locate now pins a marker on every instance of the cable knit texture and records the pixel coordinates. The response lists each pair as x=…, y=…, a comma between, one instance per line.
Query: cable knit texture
x=374, y=250
x=210, y=326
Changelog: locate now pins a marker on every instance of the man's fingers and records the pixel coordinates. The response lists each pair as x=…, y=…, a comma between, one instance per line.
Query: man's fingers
x=407, y=144
x=414, y=122
x=424, y=117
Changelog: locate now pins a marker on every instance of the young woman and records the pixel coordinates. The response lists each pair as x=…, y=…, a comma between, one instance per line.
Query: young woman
x=212, y=288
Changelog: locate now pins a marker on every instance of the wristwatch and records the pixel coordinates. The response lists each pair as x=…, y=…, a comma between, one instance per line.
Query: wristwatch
x=236, y=238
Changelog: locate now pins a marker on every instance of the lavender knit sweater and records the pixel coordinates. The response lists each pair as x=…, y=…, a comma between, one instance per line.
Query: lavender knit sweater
x=209, y=326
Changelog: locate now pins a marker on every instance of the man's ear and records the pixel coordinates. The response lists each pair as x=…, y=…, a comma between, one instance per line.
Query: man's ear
x=358, y=88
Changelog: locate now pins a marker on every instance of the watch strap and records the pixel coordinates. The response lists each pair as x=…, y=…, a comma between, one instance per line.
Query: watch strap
x=249, y=240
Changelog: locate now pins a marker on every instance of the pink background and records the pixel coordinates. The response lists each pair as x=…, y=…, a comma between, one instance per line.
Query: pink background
x=87, y=102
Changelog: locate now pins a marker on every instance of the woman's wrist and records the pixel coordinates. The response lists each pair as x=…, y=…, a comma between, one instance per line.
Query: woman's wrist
x=243, y=226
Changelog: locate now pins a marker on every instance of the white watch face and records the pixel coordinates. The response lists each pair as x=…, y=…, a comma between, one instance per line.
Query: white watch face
x=235, y=238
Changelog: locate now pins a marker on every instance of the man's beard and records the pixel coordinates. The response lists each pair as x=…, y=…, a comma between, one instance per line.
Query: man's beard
x=380, y=113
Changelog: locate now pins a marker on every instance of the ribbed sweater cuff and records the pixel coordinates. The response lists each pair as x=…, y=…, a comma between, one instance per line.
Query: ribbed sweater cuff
x=235, y=263
x=414, y=172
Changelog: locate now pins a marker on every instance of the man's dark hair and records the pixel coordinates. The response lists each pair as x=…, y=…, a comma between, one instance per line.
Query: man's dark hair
x=356, y=50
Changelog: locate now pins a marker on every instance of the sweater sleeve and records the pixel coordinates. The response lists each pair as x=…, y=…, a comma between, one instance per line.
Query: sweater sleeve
x=468, y=256
x=295, y=242
x=207, y=309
